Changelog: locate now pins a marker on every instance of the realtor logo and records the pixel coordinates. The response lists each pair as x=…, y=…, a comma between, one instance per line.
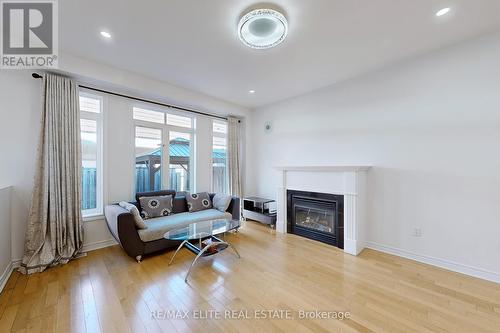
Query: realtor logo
x=29, y=34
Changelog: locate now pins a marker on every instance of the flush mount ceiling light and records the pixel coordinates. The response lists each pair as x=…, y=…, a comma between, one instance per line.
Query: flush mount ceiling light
x=443, y=11
x=262, y=28
x=105, y=34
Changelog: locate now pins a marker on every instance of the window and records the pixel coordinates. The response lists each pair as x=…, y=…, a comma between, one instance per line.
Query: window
x=91, y=140
x=219, y=157
x=180, y=157
x=149, y=115
x=159, y=166
x=181, y=121
x=90, y=104
x=148, y=159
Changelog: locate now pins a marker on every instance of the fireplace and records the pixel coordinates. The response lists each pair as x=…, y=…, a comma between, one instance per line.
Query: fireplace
x=318, y=216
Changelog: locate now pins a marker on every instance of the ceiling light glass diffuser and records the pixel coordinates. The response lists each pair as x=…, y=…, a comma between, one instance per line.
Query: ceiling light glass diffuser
x=262, y=28
x=443, y=11
x=105, y=34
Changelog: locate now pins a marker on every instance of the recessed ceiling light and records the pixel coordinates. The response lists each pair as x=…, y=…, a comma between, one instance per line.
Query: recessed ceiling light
x=443, y=11
x=251, y=91
x=262, y=28
x=105, y=34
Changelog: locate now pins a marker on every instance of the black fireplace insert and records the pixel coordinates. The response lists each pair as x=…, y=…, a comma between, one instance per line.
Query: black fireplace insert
x=318, y=216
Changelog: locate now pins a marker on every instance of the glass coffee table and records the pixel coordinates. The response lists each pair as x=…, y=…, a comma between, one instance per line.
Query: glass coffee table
x=202, y=231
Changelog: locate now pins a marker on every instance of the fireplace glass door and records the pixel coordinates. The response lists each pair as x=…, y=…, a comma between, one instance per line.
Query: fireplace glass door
x=315, y=216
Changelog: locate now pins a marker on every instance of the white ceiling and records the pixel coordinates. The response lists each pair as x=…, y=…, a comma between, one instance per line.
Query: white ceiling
x=194, y=43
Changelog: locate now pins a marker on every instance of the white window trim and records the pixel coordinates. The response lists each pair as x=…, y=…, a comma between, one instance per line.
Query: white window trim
x=96, y=213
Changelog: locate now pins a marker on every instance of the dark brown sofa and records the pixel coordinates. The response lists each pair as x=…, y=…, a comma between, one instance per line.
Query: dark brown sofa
x=122, y=226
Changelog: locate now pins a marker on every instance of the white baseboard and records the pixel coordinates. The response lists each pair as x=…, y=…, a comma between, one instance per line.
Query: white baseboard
x=7, y=272
x=98, y=245
x=5, y=275
x=442, y=263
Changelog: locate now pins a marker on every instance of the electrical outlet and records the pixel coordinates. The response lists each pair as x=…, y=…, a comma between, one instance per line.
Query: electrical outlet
x=417, y=232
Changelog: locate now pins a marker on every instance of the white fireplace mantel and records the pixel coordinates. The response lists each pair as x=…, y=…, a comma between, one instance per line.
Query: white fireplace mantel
x=346, y=180
x=325, y=168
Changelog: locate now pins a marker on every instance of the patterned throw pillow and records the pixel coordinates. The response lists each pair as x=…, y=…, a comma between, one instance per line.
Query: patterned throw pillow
x=156, y=206
x=198, y=201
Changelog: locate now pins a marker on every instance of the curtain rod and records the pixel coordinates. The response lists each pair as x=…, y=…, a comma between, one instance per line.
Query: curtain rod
x=38, y=76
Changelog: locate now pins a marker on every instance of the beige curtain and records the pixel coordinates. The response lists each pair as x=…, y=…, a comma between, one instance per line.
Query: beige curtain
x=54, y=234
x=234, y=158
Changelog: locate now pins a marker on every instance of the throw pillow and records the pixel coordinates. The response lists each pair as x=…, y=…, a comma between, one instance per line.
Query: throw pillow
x=156, y=206
x=139, y=222
x=198, y=201
x=221, y=201
x=152, y=194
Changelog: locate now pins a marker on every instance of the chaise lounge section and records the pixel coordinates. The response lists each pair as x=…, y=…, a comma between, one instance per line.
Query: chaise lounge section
x=139, y=242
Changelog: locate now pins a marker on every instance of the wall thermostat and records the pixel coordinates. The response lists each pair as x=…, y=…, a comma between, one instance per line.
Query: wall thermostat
x=268, y=127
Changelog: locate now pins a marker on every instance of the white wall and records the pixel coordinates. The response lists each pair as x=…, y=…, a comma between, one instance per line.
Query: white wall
x=430, y=127
x=20, y=101
x=5, y=235
x=20, y=106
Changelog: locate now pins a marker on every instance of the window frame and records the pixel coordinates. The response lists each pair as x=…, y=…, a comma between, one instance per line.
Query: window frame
x=90, y=214
x=218, y=135
x=166, y=129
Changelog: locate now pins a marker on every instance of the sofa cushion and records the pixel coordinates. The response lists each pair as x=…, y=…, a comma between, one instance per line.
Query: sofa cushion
x=198, y=201
x=156, y=206
x=180, y=204
x=157, y=227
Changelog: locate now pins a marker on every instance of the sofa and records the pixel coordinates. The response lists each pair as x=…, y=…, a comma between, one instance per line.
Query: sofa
x=139, y=242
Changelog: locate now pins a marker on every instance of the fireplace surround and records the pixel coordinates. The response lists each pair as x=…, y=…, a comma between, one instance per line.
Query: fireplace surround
x=317, y=216
x=349, y=181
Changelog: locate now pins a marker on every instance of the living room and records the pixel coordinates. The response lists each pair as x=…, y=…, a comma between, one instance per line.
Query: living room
x=242, y=166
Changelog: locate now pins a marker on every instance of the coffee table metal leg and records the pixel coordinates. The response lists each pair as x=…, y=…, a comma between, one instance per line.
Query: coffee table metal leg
x=180, y=246
x=196, y=259
x=205, y=250
x=234, y=249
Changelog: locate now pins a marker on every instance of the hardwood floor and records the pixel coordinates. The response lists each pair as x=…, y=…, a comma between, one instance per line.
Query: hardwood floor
x=107, y=291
